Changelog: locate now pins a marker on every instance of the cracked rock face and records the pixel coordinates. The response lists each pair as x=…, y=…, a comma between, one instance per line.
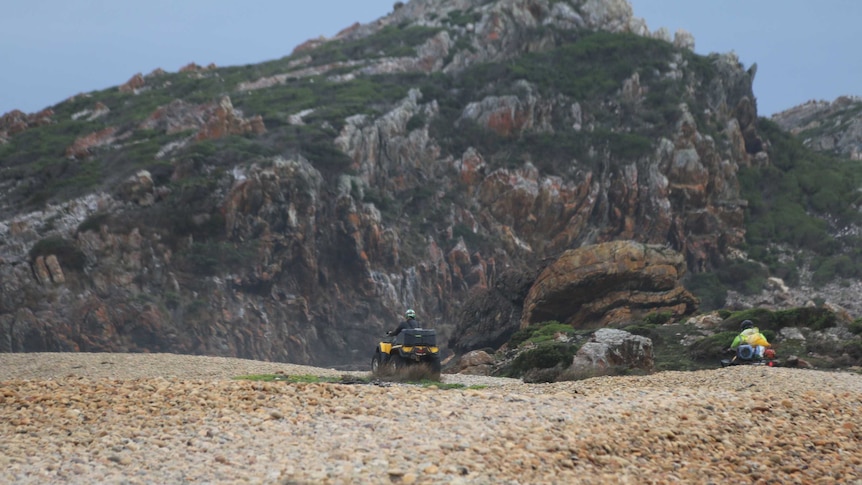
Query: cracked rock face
x=609, y=284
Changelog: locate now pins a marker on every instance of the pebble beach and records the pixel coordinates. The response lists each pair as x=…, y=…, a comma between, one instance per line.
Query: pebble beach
x=165, y=418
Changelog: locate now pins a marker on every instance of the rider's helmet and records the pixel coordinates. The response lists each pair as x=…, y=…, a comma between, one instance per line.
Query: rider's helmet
x=410, y=314
x=769, y=353
x=746, y=324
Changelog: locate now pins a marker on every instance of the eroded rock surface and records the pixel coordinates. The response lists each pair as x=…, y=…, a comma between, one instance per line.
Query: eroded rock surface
x=609, y=284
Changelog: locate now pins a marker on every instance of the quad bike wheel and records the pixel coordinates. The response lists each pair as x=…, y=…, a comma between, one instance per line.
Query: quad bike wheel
x=376, y=361
x=396, y=361
x=435, y=366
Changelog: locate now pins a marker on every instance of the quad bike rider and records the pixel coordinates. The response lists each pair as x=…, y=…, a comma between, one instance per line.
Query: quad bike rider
x=410, y=345
x=750, y=347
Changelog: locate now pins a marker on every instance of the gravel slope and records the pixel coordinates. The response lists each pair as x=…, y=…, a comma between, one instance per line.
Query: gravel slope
x=139, y=366
x=105, y=418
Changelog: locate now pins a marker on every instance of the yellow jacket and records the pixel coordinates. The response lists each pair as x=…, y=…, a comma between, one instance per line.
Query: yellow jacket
x=750, y=336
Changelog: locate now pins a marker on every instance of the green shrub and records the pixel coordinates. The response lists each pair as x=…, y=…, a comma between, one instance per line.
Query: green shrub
x=830, y=268
x=461, y=18
x=212, y=257
x=381, y=200
x=546, y=356
x=593, y=64
x=93, y=222
x=520, y=336
x=856, y=326
x=471, y=239
x=761, y=317
x=658, y=318
x=416, y=122
x=713, y=347
x=815, y=318
x=853, y=349
x=539, y=332
x=708, y=288
x=554, y=153
x=788, y=198
x=548, y=330
x=747, y=277
x=67, y=253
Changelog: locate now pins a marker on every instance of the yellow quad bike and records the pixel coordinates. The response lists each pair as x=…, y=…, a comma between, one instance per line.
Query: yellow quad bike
x=413, y=346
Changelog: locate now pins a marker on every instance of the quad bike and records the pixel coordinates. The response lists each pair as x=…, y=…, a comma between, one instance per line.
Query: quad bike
x=414, y=346
x=744, y=355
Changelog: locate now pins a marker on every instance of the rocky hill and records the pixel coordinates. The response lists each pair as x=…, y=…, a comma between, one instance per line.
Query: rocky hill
x=827, y=126
x=438, y=158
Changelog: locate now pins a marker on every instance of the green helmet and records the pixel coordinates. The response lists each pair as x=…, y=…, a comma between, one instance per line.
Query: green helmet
x=410, y=313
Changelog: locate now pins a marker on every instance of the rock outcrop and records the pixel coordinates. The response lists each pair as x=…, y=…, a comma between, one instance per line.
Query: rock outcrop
x=612, y=348
x=609, y=284
x=476, y=362
x=834, y=127
x=83, y=146
x=17, y=121
x=210, y=121
x=223, y=120
x=133, y=84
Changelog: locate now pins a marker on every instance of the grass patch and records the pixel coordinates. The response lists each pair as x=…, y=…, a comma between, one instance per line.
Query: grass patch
x=539, y=332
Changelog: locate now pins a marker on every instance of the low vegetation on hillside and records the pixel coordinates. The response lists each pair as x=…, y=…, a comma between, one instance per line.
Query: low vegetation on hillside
x=544, y=351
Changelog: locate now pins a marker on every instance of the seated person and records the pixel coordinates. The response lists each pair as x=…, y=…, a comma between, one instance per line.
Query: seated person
x=750, y=343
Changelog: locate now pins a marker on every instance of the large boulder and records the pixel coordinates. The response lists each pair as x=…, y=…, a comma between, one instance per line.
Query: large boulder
x=609, y=284
x=477, y=362
x=612, y=348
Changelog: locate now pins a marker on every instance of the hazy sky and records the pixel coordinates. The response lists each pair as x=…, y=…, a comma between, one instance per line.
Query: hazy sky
x=53, y=49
